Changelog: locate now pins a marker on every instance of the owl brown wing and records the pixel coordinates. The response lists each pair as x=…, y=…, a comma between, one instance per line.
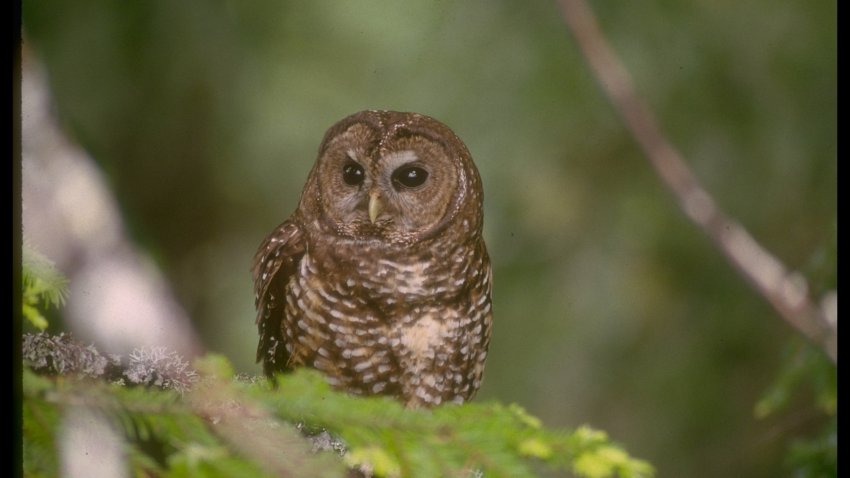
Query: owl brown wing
x=274, y=263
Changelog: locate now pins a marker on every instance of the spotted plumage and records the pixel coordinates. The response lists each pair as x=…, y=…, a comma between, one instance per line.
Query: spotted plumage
x=380, y=279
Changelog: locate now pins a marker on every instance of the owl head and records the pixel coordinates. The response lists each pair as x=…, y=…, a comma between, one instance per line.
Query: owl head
x=392, y=176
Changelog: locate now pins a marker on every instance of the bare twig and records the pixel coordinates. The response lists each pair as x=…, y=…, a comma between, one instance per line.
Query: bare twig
x=786, y=291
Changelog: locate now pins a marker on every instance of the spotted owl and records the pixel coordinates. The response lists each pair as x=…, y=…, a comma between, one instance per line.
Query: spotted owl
x=380, y=279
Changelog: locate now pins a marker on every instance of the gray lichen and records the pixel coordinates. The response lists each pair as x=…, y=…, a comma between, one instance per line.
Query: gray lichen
x=149, y=366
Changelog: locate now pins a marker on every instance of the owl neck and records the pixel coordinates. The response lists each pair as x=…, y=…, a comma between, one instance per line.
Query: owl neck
x=441, y=244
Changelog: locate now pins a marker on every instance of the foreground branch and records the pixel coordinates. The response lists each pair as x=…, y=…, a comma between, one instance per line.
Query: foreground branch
x=786, y=291
x=227, y=426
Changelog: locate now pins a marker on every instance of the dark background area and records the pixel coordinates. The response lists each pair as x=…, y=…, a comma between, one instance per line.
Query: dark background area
x=611, y=309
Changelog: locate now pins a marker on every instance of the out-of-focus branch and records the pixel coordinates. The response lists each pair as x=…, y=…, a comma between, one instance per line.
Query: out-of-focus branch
x=786, y=291
x=251, y=430
x=118, y=296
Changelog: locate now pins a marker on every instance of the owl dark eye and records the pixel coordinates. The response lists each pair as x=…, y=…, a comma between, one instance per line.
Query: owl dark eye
x=409, y=177
x=352, y=174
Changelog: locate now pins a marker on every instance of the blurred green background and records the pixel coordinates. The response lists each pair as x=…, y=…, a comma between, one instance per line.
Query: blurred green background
x=611, y=309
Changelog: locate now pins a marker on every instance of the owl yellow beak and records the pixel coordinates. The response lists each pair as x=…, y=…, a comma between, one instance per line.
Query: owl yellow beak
x=375, y=206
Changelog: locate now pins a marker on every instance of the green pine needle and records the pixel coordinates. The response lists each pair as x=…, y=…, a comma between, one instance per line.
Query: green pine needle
x=43, y=286
x=233, y=427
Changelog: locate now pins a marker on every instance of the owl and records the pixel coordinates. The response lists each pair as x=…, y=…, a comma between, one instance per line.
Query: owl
x=380, y=279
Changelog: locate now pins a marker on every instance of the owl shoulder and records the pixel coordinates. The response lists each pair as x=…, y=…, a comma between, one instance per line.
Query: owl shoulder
x=278, y=254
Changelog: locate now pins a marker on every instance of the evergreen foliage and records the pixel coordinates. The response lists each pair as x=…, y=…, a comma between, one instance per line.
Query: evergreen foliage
x=43, y=286
x=806, y=368
x=228, y=426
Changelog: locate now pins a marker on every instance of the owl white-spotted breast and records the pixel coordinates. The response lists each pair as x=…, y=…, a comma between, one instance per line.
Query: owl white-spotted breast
x=380, y=278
